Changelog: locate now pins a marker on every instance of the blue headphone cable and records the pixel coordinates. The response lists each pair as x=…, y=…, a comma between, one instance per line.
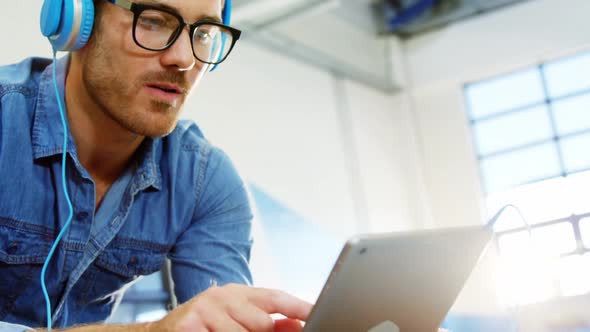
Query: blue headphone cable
x=65, y=190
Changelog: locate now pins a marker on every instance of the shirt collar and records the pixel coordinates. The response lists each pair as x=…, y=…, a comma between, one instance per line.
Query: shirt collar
x=147, y=173
x=48, y=134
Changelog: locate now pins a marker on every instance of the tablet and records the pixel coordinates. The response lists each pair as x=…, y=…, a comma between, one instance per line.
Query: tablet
x=398, y=281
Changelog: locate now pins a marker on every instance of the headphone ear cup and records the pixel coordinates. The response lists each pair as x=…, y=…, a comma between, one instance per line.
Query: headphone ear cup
x=226, y=17
x=50, y=17
x=67, y=23
x=86, y=24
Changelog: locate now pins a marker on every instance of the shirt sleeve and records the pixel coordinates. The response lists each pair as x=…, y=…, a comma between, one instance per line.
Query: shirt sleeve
x=215, y=248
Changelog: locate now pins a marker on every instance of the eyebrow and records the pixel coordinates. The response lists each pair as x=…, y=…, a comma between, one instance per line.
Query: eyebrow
x=159, y=4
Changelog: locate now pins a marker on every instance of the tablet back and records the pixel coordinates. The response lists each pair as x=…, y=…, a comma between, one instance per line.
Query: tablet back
x=405, y=281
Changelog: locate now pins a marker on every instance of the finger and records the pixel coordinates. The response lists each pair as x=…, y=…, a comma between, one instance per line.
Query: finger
x=251, y=317
x=215, y=318
x=225, y=323
x=288, y=325
x=275, y=301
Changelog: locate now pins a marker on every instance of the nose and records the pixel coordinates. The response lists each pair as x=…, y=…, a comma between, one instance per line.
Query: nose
x=180, y=54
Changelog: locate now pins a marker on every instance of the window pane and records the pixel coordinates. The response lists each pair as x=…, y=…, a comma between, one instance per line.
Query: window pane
x=513, y=129
x=572, y=114
x=585, y=230
x=542, y=201
x=504, y=93
x=523, y=277
x=510, y=218
x=555, y=239
x=575, y=152
x=568, y=75
x=574, y=275
x=519, y=167
x=515, y=244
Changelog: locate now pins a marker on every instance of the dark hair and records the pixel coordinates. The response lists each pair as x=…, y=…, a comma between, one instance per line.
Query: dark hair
x=97, y=10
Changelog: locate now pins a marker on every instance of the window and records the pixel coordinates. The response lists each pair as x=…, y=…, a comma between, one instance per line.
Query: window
x=534, y=122
x=531, y=133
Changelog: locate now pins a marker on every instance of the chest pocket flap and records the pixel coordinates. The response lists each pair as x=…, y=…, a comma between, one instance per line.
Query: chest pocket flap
x=130, y=260
x=22, y=247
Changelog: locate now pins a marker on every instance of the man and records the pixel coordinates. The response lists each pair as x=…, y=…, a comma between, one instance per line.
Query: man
x=143, y=186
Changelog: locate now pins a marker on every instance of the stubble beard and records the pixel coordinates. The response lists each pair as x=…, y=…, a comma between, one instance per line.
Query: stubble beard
x=113, y=94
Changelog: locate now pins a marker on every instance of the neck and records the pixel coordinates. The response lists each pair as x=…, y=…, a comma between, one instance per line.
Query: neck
x=104, y=147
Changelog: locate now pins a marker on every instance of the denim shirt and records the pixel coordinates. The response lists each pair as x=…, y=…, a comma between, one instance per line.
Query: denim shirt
x=180, y=198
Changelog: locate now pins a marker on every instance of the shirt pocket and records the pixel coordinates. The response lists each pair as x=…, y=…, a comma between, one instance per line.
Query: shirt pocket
x=22, y=254
x=114, y=269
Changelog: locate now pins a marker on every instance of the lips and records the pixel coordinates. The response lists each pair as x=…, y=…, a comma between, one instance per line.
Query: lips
x=166, y=92
x=166, y=87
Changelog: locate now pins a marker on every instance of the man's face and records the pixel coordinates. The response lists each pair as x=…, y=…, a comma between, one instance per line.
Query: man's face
x=143, y=91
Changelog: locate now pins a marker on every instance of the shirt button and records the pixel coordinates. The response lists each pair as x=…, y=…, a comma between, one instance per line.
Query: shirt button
x=81, y=215
x=132, y=262
x=12, y=248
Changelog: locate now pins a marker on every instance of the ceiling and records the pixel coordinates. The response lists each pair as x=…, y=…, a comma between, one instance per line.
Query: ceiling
x=446, y=12
x=347, y=37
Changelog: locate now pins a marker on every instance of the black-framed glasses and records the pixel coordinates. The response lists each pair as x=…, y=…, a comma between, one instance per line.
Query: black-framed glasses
x=156, y=29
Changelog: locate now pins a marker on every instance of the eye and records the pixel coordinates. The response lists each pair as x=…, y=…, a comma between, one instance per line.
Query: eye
x=203, y=35
x=151, y=23
x=154, y=20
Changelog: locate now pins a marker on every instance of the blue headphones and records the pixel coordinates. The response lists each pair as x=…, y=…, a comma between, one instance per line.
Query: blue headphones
x=68, y=23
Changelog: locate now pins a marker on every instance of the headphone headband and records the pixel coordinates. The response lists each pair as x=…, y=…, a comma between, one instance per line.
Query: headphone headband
x=226, y=13
x=68, y=23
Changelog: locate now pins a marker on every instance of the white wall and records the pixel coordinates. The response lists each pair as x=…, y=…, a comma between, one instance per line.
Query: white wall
x=19, y=31
x=386, y=142
x=277, y=120
x=438, y=64
x=328, y=148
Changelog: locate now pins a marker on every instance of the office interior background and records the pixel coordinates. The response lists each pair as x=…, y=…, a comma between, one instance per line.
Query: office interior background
x=354, y=116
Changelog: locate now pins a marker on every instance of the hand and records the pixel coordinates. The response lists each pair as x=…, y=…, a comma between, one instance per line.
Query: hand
x=236, y=308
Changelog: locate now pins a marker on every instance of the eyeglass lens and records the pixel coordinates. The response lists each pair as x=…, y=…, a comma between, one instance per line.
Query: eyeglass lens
x=157, y=30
